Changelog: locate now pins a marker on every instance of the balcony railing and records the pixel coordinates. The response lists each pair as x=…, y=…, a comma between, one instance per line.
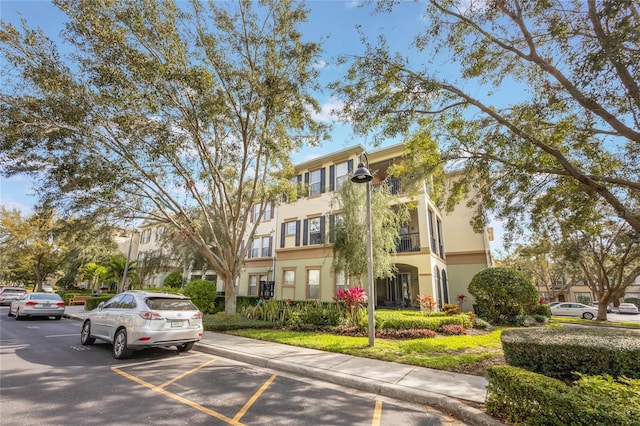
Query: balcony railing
x=408, y=242
x=394, y=186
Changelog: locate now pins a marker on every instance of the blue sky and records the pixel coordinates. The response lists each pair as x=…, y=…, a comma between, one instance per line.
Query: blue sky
x=332, y=22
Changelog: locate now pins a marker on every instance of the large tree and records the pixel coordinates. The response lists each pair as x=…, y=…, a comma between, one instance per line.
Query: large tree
x=43, y=244
x=177, y=112
x=523, y=96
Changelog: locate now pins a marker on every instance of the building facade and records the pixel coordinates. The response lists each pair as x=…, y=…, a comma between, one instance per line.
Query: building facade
x=437, y=254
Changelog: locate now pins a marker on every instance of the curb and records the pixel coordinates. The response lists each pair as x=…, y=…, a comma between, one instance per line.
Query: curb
x=453, y=406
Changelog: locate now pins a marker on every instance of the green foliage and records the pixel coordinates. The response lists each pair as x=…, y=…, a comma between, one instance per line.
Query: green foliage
x=576, y=78
x=203, y=294
x=406, y=320
x=174, y=279
x=183, y=87
x=562, y=352
x=387, y=218
x=525, y=398
x=503, y=295
x=222, y=322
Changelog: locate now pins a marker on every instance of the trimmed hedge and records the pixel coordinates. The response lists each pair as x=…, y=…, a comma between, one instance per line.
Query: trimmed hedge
x=560, y=352
x=401, y=320
x=525, y=398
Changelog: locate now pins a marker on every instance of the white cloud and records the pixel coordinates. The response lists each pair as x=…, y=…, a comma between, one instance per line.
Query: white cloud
x=329, y=112
x=320, y=64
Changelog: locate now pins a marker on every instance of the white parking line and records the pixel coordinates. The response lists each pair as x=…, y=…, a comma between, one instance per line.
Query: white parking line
x=63, y=335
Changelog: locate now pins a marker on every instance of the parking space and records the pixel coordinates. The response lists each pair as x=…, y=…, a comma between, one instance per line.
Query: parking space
x=233, y=393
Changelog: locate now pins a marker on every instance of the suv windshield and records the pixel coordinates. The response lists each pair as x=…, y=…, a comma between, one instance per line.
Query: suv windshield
x=170, y=304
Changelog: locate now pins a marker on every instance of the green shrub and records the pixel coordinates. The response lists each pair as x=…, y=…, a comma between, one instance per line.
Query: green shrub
x=503, y=295
x=173, y=280
x=561, y=352
x=203, y=294
x=525, y=398
x=407, y=320
x=93, y=302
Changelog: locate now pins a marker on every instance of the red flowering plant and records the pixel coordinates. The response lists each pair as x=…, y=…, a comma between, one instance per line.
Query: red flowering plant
x=353, y=298
x=427, y=302
x=461, y=298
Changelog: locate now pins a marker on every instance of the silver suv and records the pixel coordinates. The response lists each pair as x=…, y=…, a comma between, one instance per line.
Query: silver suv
x=143, y=319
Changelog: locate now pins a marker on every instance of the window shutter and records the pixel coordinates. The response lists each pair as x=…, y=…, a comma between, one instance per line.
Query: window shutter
x=332, y=178
x=323, y=180
x=322, y=220
x=306, y=183
x=305, y=232
x=299, y=178
x=270, y=246
x=282, y=234
x=332, y=228
x=297, y=233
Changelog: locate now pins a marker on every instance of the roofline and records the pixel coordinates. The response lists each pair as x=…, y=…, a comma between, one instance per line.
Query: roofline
x=355, y=149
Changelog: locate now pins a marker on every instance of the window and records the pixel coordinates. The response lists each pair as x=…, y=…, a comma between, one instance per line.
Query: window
x=342, y=282
x=315, y=180
x=145, y=237
x=266, y=246
x=291, y=228
x=342, y=172
x=313, y=283
x=440, y=240
x=159, y=232
x=432, y=234
x=315, y=233
x=268, y=212
x=584, y=298
x=335, y=223
x=289, y=277
x=253, y=285
x=255, y=248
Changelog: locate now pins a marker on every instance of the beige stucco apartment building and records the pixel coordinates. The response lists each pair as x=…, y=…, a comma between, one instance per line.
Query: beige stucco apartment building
x=437, y=254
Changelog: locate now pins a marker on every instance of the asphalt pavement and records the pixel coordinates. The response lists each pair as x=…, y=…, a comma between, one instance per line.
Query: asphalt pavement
x=451, y=392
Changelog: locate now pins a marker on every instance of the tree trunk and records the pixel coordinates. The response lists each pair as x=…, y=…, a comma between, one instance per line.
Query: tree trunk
x=229, y=297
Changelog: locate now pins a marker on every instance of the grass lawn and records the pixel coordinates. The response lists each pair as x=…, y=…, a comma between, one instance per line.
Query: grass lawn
x=470, y=354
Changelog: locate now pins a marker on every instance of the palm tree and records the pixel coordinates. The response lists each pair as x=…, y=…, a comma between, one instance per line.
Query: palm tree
x=116, y=267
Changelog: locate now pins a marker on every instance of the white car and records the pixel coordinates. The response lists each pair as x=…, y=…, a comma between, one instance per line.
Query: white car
x=573, y=309
x=143, y=319
x=627, y=308
x=37, y=305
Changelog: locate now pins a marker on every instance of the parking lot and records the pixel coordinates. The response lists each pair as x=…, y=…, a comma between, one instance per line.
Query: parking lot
x=45, y=365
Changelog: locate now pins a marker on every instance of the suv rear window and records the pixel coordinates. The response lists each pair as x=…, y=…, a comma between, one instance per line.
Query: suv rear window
x=170, y=304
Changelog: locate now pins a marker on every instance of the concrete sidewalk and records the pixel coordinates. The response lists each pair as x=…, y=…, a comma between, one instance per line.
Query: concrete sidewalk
x=440, y=389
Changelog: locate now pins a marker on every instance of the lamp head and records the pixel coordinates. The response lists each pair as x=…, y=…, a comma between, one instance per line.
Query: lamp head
x=361, y=175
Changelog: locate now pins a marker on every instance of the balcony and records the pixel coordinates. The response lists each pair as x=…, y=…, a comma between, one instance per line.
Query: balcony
x=394, y=186
x=408, y=243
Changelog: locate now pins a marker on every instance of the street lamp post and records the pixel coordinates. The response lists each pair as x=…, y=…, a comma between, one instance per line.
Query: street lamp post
x=126, y=263
x=363, y=175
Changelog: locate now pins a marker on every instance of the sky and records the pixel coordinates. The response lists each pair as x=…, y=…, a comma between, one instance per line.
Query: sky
x=333, y=23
